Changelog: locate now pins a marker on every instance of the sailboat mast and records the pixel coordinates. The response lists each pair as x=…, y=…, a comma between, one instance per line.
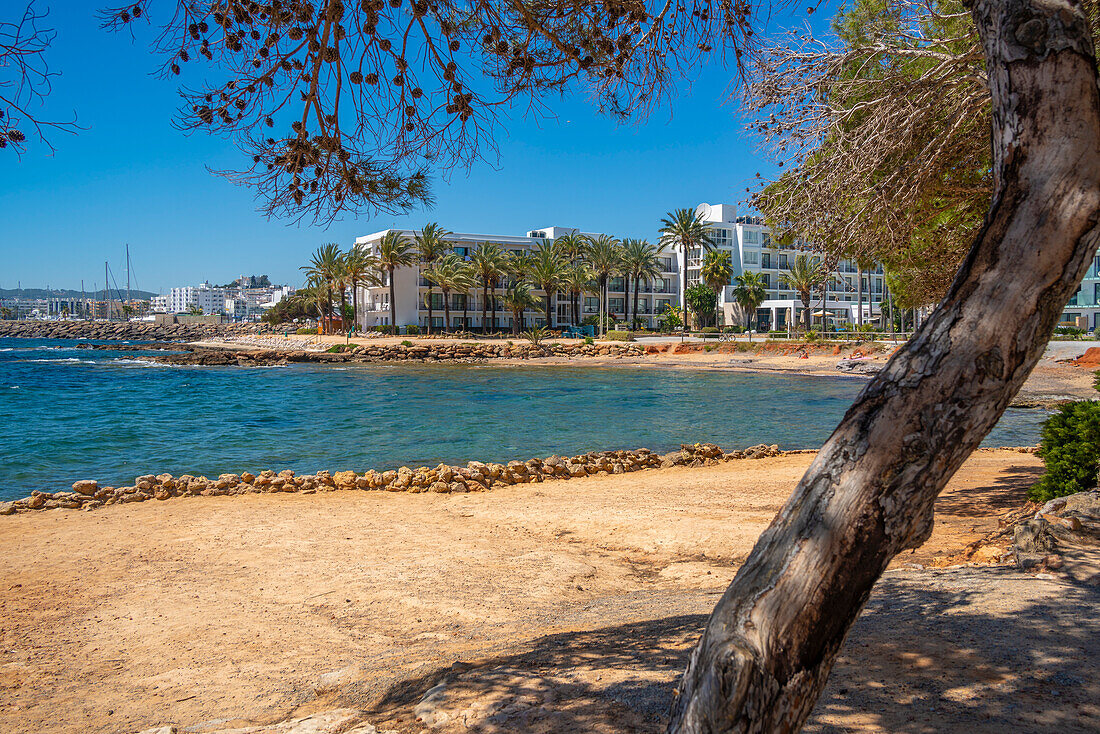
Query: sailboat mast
x=107, y=289
x=128, y=272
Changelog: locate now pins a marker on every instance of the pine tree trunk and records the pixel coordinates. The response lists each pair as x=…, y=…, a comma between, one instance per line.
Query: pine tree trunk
x=770, y=643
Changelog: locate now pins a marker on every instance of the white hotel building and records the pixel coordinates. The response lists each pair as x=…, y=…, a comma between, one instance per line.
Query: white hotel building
x=746, y=239
x=749, y=244
x=411, y=288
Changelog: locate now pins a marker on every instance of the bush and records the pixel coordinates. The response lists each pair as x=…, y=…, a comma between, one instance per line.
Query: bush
x=384, y=329
x=620, y=336
x=1070, y=448
x=589, y=340
x=811, y=336
x=305, y=330
x=709, y=330
x=406, y=343
x=412, y=329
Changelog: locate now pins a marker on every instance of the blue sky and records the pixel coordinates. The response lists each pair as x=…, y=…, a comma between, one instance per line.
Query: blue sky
x=131, y=178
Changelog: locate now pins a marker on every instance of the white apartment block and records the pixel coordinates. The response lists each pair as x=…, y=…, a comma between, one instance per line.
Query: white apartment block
x=158, y=304
x=411, y=288
x=749, y=244
x=211, y=300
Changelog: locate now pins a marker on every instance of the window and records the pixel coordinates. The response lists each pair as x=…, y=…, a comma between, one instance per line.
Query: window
x=615, y=305
x=752, y=257
x=462, y=251
x=752, y=237
x=767, y=238
x=458, y=301
x=616, y=284
x=783, y=261
x=437, y=301
x=765, y=259
x=767, y=280
x=591, y=304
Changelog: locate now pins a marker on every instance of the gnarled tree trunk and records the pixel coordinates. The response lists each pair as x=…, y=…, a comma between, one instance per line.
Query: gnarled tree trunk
x=770, y=643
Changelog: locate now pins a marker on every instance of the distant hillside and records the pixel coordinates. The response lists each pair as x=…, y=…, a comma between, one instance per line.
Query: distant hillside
x=67, y=293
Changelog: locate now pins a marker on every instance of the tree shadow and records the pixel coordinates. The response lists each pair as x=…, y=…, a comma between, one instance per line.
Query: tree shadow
x=975, y=650
x=1008, y=492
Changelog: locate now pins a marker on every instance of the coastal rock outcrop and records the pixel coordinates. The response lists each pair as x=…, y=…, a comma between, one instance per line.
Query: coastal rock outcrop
x=125, y=330
x=1063, y=536
x=475, y=476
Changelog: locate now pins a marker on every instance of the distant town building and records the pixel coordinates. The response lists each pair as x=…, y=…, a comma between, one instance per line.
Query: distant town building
x=235, y=302
x=158, y=304
x=203, y=297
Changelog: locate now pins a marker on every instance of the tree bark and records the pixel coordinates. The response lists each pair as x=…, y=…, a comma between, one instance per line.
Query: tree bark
x=393, y=303
x=769, y=645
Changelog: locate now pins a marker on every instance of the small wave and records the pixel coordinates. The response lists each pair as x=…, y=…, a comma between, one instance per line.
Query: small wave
x=64, y=360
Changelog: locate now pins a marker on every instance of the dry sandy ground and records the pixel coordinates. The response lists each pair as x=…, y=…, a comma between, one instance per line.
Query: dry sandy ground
x=553, y=607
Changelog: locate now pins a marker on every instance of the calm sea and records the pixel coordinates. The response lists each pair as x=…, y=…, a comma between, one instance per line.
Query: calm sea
x=68, y=414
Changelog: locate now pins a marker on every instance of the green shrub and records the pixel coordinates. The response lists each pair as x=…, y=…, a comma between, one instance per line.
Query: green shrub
x=589, y=340
x=1069, y=331
x=812, y=336
x=709, y=330
x=306, y=330
x=384, y=329
x=406, y=343
x=412, y=329
x=1070, y=448
x=620, y=336
x=709, y=348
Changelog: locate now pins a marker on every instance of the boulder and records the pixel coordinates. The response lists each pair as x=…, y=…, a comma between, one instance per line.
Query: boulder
x=86, y=487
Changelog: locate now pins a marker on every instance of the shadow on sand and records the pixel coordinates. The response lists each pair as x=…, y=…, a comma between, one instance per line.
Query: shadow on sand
x=963, y=650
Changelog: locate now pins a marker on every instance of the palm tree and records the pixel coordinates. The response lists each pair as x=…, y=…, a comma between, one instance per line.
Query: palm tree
x=431, y=244
x=716, y=272
x=361, y=269
x=488, y=262
x=577, y=280
x=464, y=279
x=804, y=275
x=573, y=248
x=446, y=273
x=640, y=261
x=325, y=267
x=685, y=229
x=749, y=293
x=517, y=299
x=547, y=269
x=394, y=251
x=604, y=257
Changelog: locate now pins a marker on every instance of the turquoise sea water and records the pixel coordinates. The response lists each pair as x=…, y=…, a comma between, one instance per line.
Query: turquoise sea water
x=68, y=414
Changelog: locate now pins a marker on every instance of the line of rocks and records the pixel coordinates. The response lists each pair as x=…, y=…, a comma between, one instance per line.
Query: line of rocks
x=126, y=330
x=475, y=476
x=378, y=353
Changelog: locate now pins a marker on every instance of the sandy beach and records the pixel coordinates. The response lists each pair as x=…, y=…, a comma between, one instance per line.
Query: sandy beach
x=555, y=607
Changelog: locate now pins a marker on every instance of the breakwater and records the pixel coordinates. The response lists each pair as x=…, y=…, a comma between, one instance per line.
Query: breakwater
x=125, y=330
x=475, y=476
x=383, y=353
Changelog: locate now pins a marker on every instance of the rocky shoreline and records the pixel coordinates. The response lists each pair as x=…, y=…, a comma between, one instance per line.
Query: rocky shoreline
x=125, y=330
x=475, y=476
x=190, y=354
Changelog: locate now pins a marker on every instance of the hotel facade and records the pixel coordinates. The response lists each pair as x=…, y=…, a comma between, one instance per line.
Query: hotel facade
x=411, y=289
x=749, y=243
x=746, y=239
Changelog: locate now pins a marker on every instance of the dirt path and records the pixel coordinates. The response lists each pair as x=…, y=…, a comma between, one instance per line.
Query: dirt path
x=208, y=612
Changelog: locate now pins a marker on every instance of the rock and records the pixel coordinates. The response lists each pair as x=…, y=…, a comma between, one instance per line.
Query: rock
x=86, y=487
x=8, y=508
x=345, y=479
x=441, y=487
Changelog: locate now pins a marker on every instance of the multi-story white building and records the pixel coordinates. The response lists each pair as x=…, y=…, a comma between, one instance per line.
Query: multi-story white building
x=410, y=289
x=158, y=304
x=211, y=300
x=751, y=248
